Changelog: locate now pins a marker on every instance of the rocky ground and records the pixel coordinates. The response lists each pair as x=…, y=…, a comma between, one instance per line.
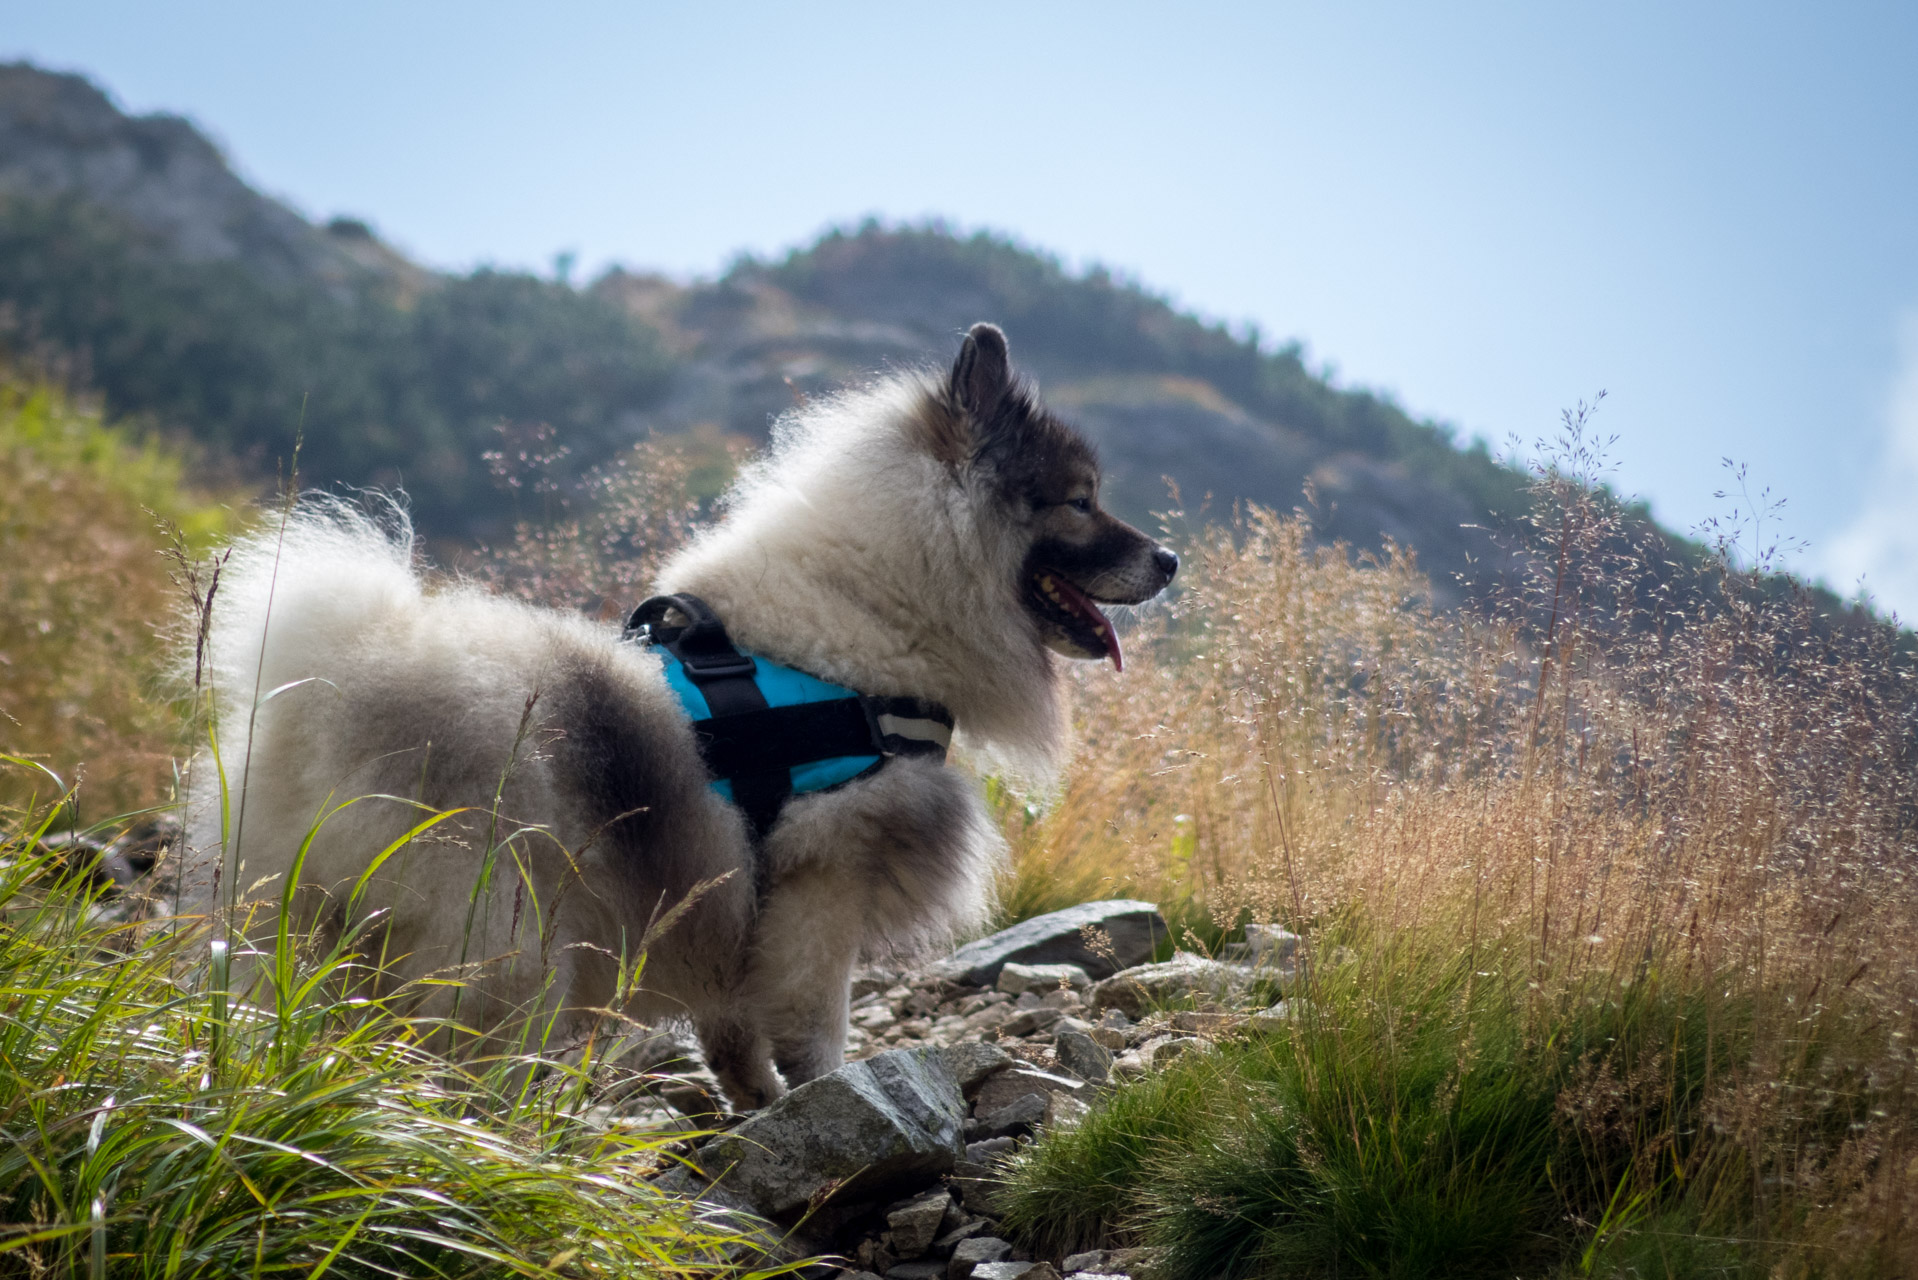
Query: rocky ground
x=890, y=1165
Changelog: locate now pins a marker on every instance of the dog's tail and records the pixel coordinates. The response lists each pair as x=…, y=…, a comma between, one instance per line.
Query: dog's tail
x=296, y=595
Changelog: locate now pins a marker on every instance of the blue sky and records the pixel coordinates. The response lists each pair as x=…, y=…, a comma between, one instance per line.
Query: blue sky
x=1487, y=211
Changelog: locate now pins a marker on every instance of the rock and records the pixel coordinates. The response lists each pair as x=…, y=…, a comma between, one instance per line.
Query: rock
x=849, y=1274
x=969, y=1255
x=1266, y=1021
x=1021, y=1115
x=930, y=1269
x=1136, y=990
x=972, y=1062
x=1133, y=930
x=1145, y=1264
x=1084, y=1057
x=990, y=1018
x=945, y=1244
x=1206, y=1024
x=1063, y=1111
x=1029, y=1021
x=1015, y=1271
x=1097, y=1275
x=977, y=1184
x=1272, y=947
x=1015, y=978
x=915, y=1224
x=1019, y=1081
x=885, y=1124
x=1090, y=1260
x=988, y=1150
x=1164, y=1049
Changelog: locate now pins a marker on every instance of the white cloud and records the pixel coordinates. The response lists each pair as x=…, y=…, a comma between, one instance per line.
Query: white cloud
x=1878, y=550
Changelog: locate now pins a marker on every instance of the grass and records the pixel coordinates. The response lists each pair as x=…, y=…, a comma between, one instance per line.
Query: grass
x=1607, y=909
x=157, y=1124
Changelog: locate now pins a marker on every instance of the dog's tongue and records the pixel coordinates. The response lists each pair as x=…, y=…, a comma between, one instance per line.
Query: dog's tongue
x=1079, y=602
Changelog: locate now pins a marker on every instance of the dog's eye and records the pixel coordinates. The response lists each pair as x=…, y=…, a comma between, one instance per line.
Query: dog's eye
x=1082, y=505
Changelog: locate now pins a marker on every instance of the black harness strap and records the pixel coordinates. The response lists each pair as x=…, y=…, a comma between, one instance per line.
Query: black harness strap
x=725, y=679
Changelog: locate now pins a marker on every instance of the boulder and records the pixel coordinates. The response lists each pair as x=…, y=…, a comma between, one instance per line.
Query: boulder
x=1134, y=930
x=887, y=1124
x=1135, y=991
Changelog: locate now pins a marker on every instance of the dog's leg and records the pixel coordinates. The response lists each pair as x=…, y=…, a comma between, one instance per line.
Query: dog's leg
x=802, y=974
x=810, y=1039
x=737, y=1054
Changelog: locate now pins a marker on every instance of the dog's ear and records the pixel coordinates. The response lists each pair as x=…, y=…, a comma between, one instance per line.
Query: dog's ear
x=982, y=375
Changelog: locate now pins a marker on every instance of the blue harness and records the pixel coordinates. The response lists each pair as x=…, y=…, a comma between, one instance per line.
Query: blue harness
x=769, y=732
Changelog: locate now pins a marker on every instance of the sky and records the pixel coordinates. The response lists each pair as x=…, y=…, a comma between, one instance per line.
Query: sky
x=1488, y=212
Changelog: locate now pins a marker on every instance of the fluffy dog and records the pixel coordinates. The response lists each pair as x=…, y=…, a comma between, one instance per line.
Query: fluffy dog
x=935, y=537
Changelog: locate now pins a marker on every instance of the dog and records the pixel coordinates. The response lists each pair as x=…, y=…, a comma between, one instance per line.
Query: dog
x=933, y=536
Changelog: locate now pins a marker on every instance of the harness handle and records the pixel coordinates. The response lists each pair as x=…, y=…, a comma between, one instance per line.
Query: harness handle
x=702, y=645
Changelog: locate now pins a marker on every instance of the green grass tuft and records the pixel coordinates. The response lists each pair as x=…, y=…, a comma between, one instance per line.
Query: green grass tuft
x=153, y=1124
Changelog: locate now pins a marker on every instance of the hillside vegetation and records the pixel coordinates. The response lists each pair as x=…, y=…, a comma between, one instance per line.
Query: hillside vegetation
x=1608, y=915
x=85, y=514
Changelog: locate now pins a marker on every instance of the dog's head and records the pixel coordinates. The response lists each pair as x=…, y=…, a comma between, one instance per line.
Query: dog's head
x=1039, y=480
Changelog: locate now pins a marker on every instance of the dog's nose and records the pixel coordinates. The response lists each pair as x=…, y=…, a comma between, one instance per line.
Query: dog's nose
x=1167, y=560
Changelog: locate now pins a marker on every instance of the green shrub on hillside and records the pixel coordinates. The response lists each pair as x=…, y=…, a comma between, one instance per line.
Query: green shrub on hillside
x=83, y=590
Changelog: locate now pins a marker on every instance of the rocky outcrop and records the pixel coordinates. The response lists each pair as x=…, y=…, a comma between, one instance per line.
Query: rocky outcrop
x=895, y=1161
x=61, y=137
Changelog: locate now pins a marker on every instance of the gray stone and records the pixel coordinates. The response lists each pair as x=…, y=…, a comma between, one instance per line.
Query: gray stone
x=1135, y=991
x=1063, y=1111
x=930, y=1269
x=1090, y=1260
x=987, y=1150
x=1084, y=1057
x=1017, y=1082
x=883, y=1125
x=1021, y=1115
x=1143, y=1263
x=1133, y=929
x=973, y=1062
x=1014, y=1271
x=1016, y=978
x=977, y=1185
x=850, y=1274
x=916, y=1223
x=1272, y=947
x=945, y=1244
x=1028, y=1021
x=969, y=1255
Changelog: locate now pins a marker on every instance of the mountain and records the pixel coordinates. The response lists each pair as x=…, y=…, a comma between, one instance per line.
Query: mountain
x=133, y=256
x=1162, y=394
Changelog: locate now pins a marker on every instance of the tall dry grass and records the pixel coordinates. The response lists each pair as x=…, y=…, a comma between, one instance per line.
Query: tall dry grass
x=1612, y=789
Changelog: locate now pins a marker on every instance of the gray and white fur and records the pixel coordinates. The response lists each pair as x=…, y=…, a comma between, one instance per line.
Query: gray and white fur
x=929, y=536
